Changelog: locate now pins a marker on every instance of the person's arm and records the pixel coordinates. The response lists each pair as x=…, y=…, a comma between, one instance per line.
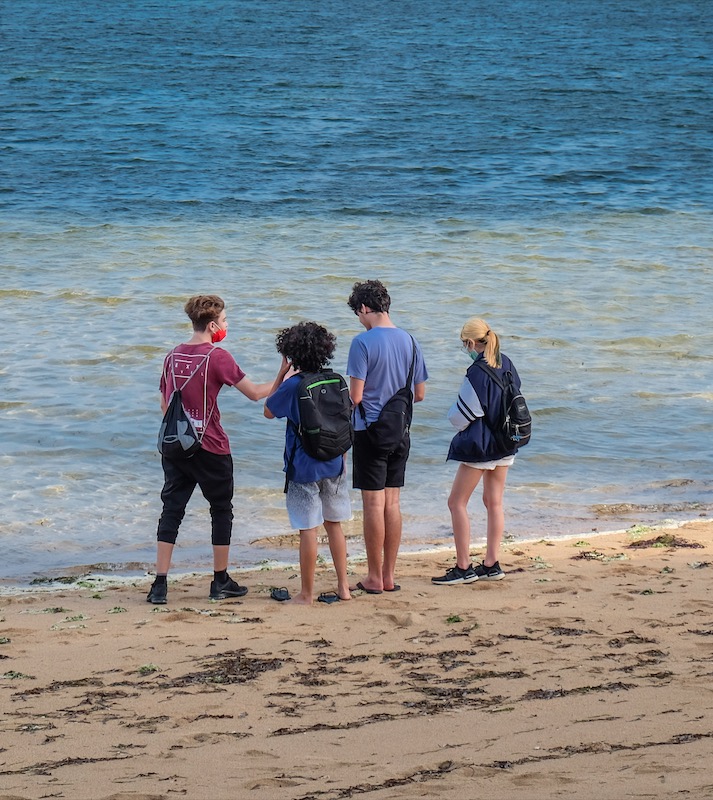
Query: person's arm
x=285, y=367
x=356, y=390
x=258, y=391
x=419, y=392
x=164, y=405
x=466, y=408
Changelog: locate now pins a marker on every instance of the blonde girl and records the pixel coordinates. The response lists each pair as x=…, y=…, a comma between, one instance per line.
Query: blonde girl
x=479, y=455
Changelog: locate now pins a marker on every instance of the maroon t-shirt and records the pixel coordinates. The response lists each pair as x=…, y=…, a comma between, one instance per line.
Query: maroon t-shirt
x=200, y=395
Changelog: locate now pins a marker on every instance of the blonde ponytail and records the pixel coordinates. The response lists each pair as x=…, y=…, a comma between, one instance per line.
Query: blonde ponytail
x=478, y=330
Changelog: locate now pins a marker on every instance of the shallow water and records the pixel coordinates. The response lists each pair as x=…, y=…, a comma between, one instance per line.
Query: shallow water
x=546, y=168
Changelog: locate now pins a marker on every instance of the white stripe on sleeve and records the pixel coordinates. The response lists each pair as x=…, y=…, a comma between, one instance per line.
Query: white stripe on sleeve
x=466, y=408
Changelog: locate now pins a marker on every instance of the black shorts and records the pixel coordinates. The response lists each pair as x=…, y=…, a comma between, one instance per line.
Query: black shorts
x=374, y=470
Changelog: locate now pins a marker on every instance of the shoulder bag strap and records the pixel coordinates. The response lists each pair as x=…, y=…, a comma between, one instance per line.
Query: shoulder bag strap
x=408, y=379
x=413, y=364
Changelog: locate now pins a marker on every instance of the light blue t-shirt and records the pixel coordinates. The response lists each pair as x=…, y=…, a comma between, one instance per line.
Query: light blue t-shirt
x=305, y=469
x=381, y=357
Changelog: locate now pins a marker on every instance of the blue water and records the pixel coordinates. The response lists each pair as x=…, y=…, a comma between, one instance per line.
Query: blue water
x=546, y=165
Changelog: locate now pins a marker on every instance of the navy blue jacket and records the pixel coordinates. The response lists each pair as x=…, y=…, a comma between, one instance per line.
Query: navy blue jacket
x=476, y=442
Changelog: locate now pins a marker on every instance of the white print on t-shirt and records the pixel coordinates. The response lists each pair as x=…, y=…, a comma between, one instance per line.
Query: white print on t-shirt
x=198, y=423
x=183, y=370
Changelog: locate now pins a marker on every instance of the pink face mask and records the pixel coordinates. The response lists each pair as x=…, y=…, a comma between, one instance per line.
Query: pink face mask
x=219, y=335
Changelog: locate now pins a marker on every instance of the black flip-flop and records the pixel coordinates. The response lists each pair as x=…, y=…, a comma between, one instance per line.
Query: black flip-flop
x=361, y=586
x=396, y=588
x=328, y=597
x=280, y=595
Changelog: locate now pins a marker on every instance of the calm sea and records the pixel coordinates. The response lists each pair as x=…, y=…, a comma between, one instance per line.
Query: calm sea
x=545, y=164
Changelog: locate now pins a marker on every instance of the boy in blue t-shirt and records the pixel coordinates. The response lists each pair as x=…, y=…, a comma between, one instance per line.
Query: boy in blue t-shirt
x=317, y=491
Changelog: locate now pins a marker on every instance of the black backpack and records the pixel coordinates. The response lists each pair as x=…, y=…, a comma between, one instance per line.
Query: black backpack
x=325, y=426
x=513, y=424
x=178, y=438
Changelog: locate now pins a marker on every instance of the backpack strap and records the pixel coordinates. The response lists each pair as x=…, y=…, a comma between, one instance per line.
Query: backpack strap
x=204, y=360
x=291, y=459
x=491, y=372
x=496, y=379
x=409, y=379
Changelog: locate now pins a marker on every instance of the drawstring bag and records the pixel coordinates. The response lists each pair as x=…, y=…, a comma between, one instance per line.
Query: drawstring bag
x=178, y=438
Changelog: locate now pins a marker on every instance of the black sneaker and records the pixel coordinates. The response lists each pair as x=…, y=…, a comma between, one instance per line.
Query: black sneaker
x=484, y=573
x=456, y=575
x=229, y=588
x=157, y=594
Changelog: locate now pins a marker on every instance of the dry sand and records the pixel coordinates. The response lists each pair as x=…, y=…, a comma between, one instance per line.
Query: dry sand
x=585, y=673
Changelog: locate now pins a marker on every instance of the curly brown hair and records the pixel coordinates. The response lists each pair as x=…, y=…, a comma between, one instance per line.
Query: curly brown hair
x=308, y=346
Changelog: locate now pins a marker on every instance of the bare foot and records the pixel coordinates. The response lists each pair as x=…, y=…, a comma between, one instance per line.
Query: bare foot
x=369, y=588
x=343, y=592
x=301, y=600
x=389, y=583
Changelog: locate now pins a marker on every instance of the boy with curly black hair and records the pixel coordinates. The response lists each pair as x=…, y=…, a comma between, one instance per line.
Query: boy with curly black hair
x=317, y=491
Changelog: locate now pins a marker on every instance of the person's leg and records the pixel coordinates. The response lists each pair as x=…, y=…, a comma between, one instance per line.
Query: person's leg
x=338, y=549
x=464, y=483
x=493, y=491
x=392, y=534
x=221, y=557
x=308, y=560
x=216, y=483
x=337, y=506
x=304, y=510
x=395, y=479
x=164, y=552
x=177, y=490
x=374, y=533
x=369, y=466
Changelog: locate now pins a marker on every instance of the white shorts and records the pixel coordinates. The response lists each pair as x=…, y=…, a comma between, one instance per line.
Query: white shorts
x=507, y=461
x=310, y=504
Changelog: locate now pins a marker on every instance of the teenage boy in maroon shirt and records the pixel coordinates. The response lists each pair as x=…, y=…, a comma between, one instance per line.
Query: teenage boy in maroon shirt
x=211, y=467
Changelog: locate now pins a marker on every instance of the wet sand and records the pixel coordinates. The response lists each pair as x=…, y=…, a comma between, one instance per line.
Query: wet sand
x=586, y=673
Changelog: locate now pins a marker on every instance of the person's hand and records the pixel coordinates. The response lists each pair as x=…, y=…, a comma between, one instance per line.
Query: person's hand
x=286, y=369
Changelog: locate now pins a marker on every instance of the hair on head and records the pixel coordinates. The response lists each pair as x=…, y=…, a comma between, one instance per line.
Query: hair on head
x=203, y=309
x=371, y=294
x=308, y=345
x=478, y=330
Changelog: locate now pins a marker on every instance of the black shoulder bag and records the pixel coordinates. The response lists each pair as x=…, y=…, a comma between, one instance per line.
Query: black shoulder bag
x=394, y=422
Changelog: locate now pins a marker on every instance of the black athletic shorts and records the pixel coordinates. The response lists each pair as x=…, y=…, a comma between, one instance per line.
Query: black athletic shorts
x=374, y=470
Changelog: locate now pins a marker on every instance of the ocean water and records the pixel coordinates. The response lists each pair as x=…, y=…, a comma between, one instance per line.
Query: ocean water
x=545, y=165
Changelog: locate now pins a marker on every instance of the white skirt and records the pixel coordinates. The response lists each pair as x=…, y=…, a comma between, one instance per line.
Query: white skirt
x=506, y=461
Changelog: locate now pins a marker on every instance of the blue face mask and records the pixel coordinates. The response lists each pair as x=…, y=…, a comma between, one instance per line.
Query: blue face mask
x=474, y=354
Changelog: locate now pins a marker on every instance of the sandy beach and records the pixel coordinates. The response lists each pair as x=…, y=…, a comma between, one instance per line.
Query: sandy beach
x=585, y=673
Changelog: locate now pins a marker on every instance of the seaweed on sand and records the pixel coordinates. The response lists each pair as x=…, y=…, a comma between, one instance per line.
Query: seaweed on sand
x=665, y=540
x=227, y=668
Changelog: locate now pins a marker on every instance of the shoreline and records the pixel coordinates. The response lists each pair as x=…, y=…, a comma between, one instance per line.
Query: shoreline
x=586, y=672
x=85, y=573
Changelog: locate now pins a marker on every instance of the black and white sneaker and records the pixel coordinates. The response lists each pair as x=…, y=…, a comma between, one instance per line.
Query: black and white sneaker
x=456, y=575
x=228, y=588
x=483, y=573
